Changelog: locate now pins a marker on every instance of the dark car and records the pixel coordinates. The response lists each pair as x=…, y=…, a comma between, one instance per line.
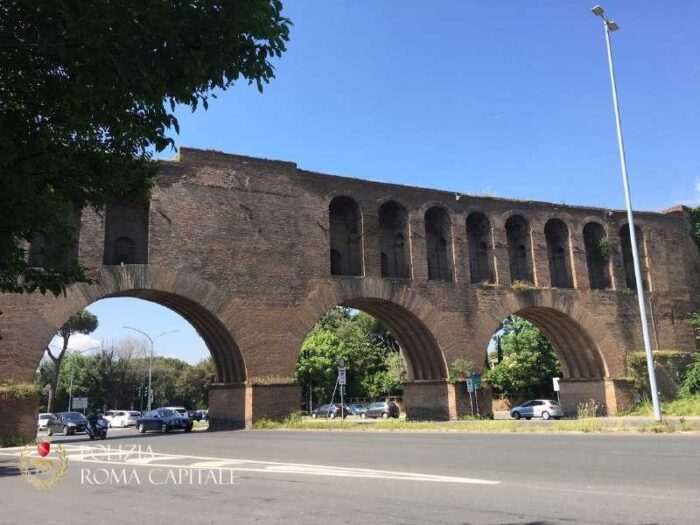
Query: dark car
x=163, y=419
x=194, y=415
x=331, y=411
x=357, y=409
x=383, y=409
x=66, y=423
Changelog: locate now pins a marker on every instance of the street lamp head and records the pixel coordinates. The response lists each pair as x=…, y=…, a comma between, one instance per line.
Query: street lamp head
x=598, y=10
x=612, y=26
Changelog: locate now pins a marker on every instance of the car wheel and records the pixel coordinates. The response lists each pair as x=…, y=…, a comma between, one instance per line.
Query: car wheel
x=332, y=415
x=363, y=416
x=123, y=425
x=313, y=416
x=65, y=431
x=545, y=415
x=385, y=415
x=164, y=428
x=142, y=429
x=516, y=415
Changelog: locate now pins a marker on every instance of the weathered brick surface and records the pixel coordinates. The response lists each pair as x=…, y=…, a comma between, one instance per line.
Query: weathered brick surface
x=18, y=418
x=240, y=247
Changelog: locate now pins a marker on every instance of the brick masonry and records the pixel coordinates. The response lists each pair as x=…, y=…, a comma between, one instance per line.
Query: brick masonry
x=240, y=247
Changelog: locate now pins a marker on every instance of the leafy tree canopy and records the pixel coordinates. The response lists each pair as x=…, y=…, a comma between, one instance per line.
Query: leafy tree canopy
x=375, y=365
x=528, y=361
x=88, y=90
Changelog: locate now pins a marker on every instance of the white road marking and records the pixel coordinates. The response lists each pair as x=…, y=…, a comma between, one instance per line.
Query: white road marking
x=98, y=455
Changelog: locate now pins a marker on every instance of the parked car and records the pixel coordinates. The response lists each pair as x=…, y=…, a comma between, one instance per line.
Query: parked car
x=383, y=409
x=66, y=423
x=544, y=408
x=331, y=411
x=124, y=418
x=180, y=410
x=194, y=415
x=44, y=420
x=357, y=409
x=163, y=419
x=109, y=415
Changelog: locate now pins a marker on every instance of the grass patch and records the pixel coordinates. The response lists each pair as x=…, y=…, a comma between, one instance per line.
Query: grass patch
x=578, y=425
x=14, y=441
x=687, y=406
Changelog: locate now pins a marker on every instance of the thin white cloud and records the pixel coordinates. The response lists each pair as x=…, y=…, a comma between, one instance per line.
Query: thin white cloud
x=77, y=342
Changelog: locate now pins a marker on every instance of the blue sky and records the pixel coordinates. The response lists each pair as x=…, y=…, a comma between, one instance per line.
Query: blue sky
x=509, y=98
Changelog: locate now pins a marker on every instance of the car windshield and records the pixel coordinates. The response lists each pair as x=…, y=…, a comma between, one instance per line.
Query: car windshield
x=134, y=413
x=73, y=415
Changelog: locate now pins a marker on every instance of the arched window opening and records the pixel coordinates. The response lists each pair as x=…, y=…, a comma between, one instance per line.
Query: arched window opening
x=628, y=260
x=479, y=237
x=439, y=241
x=597, y=255
x=518, y=233
x=46, y=252
x=126, y=233
x=346, y=237
x=557, y=235
x=393, y=230
x=124, y=251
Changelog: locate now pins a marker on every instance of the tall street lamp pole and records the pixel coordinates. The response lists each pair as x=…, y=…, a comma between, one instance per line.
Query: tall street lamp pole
x=609, y=26
x=150, y=360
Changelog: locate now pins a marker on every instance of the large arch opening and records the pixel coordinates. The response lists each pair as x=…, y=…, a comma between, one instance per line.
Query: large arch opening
x=384, y=345
x=110, y=364
x=536, y=344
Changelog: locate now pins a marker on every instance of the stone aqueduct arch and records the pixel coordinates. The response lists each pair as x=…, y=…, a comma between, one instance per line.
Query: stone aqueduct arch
x=240, y=248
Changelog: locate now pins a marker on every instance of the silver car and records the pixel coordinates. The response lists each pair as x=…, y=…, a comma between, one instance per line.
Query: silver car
x=544, y=408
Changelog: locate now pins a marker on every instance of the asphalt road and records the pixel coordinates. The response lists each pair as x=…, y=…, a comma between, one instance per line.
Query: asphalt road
x=362, y=477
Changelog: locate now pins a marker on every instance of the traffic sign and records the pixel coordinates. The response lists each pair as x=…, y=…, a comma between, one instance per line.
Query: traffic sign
x=470, y=385
x=342, y=376
x=555, y=383
x=79, y=402
x=476, y=380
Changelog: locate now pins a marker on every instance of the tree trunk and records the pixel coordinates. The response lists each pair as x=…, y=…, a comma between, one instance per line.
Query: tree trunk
x=53, y=386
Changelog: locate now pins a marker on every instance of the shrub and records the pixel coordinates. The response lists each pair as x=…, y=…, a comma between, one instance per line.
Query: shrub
x=18, y=390
x=522, y=285
x=460, y=369
x=589, y=409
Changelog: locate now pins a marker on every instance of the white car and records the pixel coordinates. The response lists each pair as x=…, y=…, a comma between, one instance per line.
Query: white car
x=43, y=420
x=124, y=418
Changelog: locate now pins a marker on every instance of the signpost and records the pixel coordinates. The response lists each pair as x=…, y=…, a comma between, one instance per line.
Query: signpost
x=342, y=380
x=555, y=384
x=80, y=402
x=470, y=389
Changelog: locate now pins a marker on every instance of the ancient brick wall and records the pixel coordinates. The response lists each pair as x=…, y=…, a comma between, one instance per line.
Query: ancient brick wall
x=241, y=248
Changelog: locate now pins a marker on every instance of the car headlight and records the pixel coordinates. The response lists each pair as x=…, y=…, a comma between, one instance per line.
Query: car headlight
x=71, y=424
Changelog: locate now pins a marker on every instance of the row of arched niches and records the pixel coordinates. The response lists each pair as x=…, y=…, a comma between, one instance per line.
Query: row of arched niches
x=346, y=249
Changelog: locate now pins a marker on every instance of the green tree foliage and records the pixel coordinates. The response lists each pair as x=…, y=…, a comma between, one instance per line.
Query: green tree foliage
x=460, y=369
x=88, y=91
x=528, y=361
x=83, y=322
x=691, y=381
x=375, y=365
x=695, y=224
x=116, y=379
